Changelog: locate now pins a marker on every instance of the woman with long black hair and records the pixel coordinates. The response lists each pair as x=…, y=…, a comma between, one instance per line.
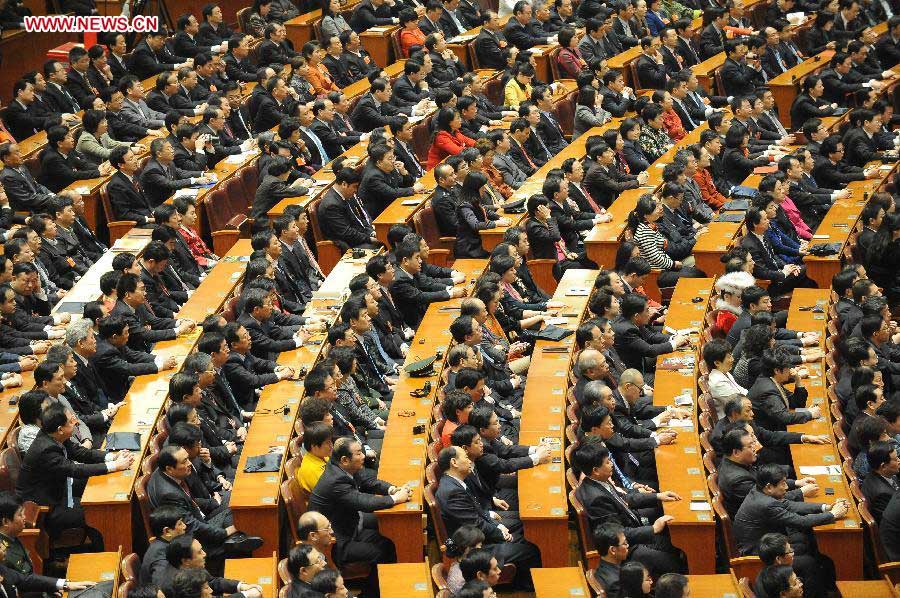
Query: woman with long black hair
x=642, y=225
x=448, y=139
x=473, y=217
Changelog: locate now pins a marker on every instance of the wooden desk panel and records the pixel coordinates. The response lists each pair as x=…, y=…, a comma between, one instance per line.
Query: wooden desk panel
x=405, y=580
x=261, y=571
x=713, y=586
x=377, y=42
x=713, y=244
x=107, y=498
x=560, y=581
x=97, y=566
x=879, y=588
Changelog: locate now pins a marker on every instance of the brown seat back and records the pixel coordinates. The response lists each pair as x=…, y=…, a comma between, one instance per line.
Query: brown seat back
x=588, y=550
x=143, y=499
x=131, y=566
x=437, y=519
x=117, y=228
x=426, y=226
x=10, y=465
x=295, y=500
x=596, y=584
x=329, y=254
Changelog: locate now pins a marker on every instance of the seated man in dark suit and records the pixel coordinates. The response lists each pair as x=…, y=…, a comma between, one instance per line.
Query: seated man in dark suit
x=783, y=277
x=349, y=499
x=126, y=195
x=737, y=470
x=774, y=406
x=166, y=524
x=145, y=328
x=612, y=546
x=882, y=483
x=54, y=462
x=382, y=182
x=374, y=109
x=775, y=550
x=269, y=339
x=273, y=188
x=160, y=178
x=635, y=341
x=342, y=217
x=516, y=30
x=119, y=363
x=464, y=501
x=765, y=511
x=62, y=164
x=411, y=300
x=650, y=67
x=603, y=503
x=245, y=373
x=186, y=560
x=166, y=301
x=203, y=516
x=20, y=118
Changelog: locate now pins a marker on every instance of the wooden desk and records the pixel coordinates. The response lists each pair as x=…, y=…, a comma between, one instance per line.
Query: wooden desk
x=879, y=588
x=841, y=540
x=107, y=498
x=784, y=87
x=403, y=453
x=714, y=586
x=713, y=244
x=301, y=28
x=97, y=566
x=405, y=580
x=261, y=571
x=622, y=62
x=679, y=465
x=542, y=490
x=377, y=42
x=706, y=71
x=559, y=581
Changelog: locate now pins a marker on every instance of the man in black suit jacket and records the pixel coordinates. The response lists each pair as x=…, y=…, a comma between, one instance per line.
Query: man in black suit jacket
x=62, y=164
x=374, y=109
x=126, y=195
x=772, y=403
x=371, y=13
x=51, y=465
x=765, y=510
x=246, y=373
x=889, y=528
x=23, y=191
x=276, y=50
x=185, y=43
x=410, y=299
x=548, y=127
x=887, y=48
x=571, y=222
x=335, y=62
x=611, y=545
x=342, y=218
x=237, y=66
x=740, y=77
x=382, y=182
x=144, y=327
x=490, y=45
x=516, y=30
x=150, y=57
x=345, y=496
x=882, y=483
x=21, y=119
x=164, y=300
x=712, y=39
x=635, y=341
x=860, y=146
x=409, y=89
x=82, y=339
x=213, y=30
x=464, y=501
x=77, y=82
x=118, y=362
x=296, y=259
x=160, y=178
x=604, y=503
x=203, y=515
x=268, y=339
x=651, y=68
x=783, y=277
x=273, y=188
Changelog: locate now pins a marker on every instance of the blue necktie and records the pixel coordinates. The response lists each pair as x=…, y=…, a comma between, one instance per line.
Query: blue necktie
x=318, y=144
x=70, y=499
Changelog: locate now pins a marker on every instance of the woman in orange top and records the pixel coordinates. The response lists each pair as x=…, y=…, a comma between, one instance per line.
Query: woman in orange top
x=317, y=74
x=495, y=178
x=410, y=35
x=447, y=140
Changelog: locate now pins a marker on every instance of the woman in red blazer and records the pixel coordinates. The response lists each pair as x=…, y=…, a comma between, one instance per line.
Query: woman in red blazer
x=569, y=58
x=447, y=140
x=410, y=35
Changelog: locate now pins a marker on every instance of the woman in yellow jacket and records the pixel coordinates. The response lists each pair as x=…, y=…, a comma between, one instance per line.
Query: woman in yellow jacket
x=518, y=89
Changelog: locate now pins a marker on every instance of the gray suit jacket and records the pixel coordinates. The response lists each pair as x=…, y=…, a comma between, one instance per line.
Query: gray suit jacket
x=512, y=174
x=143, y=114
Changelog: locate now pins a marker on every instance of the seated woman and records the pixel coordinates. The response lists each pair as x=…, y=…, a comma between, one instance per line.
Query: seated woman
x=788, y=215
x=187, y=207
x=728, y=305
x=784, y=243
x=569, y=59
x=657, y=18
x=722, y=385
x=486, y=148
x=95, y=142
x=525, y=313
x=546, y=242
x=736, y=161
x=882, y=255
x=756, y=339
x=256, y=25
x=654, y=140
x=518, y=88
x=473, y=217
x=588, y=111
x=447, y=140
x=671, y=121
x=642, y=224
x=333, y=23
x=463, y=540
x=317, y=75
x=412, y=38
x=631, y=148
